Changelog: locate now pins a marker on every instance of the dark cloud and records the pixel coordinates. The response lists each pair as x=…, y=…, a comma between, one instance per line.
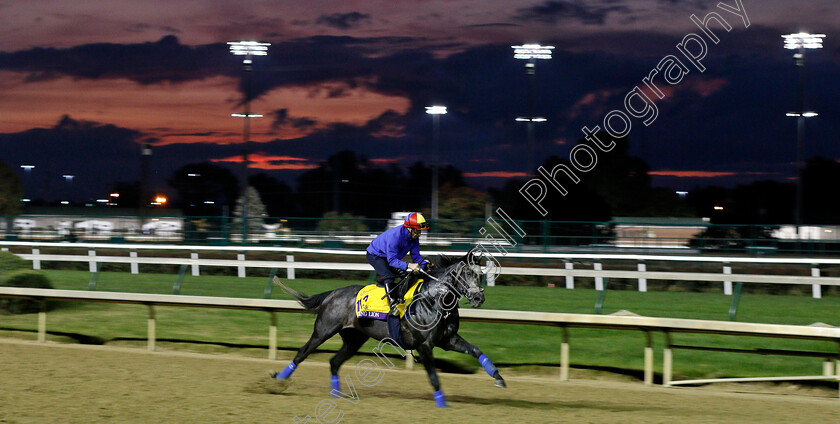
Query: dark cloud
x=143, y=27
x=492, y=25
x=586, y=12
x=146, y=63
x=343, y=20
x=281, y=118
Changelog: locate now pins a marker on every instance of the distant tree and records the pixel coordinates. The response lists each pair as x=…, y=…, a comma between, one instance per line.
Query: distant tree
x=459, y=203
x=256, y=212
x=195, y=184
x=278, y=197
x=129, y=194
x=335, y=222
x=820, y=193
x=349, y=183
x=11, y=191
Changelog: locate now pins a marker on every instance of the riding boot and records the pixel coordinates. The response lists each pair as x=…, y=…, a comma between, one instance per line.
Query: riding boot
x=392, y=297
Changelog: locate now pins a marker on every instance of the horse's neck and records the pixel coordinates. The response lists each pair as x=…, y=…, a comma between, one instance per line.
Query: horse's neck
x=441, y=283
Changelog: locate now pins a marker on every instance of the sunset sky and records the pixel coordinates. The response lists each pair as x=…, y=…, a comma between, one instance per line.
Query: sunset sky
x=84, y=84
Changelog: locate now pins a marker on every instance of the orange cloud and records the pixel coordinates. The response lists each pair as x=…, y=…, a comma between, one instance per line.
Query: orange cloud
x=493, y=174
x=268, y=162
x=282, y=166
x=383, y=161
x=189, y=112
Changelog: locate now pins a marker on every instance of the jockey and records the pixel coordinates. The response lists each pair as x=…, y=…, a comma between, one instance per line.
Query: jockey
x=386, y=251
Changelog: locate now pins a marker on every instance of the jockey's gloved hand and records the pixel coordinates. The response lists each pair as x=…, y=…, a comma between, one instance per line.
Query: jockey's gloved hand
x=412, y=267
x=427, y=265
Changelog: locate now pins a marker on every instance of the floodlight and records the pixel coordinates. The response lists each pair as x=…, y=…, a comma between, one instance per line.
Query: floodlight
x=532, y=51
x=249, y=48
x=246, y=115
x=436, y=110
x=803, y=40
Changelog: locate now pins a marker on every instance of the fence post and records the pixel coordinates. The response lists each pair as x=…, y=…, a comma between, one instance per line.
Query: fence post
x=135, y=267
x=269, y=286
x=649, y=359
x=36, y=261
x=92, y=262
x=564, y=356
x=290, y=271
x=241, y=268
x=828, y=367
x=642, y=267
x=42, y=323
x=599, y=303
x=182, y=271
x=599, y=281
x=570, y=279
x=150, y=345
x=727, y=285
x=733, y=308
x=667, y=361
x=816, y=289
x=272, y=336
x=93, y=276
x=195, y=271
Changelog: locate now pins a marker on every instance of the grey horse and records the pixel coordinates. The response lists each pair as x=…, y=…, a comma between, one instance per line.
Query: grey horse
x=431, y=321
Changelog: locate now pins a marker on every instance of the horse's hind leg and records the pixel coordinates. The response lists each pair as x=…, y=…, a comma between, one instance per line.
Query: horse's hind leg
x=458, y=344
x=323, y=332
x=353, y=341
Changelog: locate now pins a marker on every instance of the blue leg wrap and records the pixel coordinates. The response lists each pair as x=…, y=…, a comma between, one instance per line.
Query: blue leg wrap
x=487, y=364
x=335, y=384
x=440, y=401
x=287, y=372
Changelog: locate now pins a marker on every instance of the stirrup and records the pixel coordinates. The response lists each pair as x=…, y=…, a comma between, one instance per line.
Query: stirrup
x=393, y=305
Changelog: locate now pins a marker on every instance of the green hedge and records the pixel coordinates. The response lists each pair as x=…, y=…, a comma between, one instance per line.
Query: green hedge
x=25, y=279
x=11, y=262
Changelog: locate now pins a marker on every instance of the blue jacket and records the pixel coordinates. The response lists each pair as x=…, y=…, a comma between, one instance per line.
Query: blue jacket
x=393, y=245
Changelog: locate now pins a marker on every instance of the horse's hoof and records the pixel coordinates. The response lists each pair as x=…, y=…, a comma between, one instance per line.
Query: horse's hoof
x=443, y=406
x=273, y=374
x=501, y=383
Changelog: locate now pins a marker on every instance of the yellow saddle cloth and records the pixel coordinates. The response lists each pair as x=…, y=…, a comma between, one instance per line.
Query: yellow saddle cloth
x=370, y=302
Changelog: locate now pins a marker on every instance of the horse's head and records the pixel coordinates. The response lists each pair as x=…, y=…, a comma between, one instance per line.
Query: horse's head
x=468, y=275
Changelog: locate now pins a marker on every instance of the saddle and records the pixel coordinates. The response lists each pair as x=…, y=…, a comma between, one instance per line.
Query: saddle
x=371, y=301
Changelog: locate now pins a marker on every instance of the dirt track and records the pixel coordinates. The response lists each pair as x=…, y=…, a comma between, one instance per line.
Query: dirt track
x=82, y=384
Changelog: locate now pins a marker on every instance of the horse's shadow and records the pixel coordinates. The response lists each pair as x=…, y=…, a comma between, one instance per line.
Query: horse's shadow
x=601, y=405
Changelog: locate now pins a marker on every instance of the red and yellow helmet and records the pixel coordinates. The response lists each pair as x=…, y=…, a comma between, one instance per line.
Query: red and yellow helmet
x=417, y=221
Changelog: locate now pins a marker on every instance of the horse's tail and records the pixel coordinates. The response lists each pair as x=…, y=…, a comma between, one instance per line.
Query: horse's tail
x=309, y=302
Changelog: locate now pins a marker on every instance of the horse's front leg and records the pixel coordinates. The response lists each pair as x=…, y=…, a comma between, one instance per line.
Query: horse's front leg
x=458, y=344
x=428, y=360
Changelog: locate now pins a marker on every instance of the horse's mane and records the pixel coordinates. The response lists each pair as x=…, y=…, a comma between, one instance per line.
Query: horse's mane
x=443, y=262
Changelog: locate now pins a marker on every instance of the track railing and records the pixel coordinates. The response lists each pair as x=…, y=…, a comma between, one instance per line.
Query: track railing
x=562, y=265
x=646, y=325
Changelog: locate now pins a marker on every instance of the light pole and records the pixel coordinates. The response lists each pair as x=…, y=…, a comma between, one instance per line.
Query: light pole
x=248, y=49
x=27, y=170
x=799, y=42
x=69, y=179
x=531, y=52
x=145, y=156
x=435, y=111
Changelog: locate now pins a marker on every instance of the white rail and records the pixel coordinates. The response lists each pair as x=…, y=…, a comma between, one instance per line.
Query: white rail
x=562, y=268
x=648, y=325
